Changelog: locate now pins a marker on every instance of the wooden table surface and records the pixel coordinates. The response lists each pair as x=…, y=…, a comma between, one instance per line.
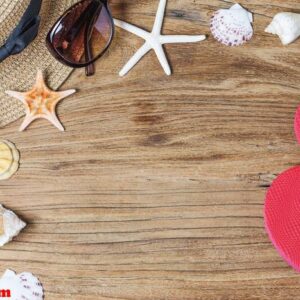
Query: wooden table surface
x=156, y=189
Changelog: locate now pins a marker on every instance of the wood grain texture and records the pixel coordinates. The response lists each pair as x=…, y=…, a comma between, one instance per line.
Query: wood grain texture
x=156, y=189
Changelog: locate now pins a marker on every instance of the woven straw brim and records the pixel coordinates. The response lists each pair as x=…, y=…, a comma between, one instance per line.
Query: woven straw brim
x=18, y=72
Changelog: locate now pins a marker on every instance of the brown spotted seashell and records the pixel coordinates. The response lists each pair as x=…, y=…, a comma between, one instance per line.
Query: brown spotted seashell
x=22, y=286
x=232, y=27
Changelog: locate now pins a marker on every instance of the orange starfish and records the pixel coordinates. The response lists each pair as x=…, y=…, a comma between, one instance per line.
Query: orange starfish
x=40, y=102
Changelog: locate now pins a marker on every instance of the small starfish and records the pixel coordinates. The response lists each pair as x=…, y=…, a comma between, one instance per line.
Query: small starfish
x=40, y=102
x=155, y=40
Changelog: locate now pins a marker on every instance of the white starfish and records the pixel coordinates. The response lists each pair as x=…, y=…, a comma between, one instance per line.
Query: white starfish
x=155, y=40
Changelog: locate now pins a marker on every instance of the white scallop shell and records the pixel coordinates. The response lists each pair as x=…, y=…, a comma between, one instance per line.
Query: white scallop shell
x=10, y=225
x=22, y=286
x=9, y=159
x=286, y=25
x=232, y=27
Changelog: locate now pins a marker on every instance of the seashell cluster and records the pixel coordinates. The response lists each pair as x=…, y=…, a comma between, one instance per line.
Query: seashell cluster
x=21, y=286
x=286, y=25
x=10, y=225
x=232, y=27
x=9, y=159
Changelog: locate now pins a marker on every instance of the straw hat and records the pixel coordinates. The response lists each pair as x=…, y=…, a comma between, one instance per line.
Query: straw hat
x=18, y=72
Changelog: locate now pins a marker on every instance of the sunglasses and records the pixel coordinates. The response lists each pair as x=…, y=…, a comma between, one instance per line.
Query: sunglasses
x=82, y=34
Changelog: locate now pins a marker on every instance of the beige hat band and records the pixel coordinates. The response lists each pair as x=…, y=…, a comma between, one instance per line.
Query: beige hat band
x=10, y=15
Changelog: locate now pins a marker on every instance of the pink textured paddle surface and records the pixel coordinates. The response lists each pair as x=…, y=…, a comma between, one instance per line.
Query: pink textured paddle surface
x=282, y=215
x=297, y=124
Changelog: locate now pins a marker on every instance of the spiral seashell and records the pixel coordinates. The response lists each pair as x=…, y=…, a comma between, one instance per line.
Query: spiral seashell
x=232, y=27
x=10, y=225
x=9, y=159
x=286, y=25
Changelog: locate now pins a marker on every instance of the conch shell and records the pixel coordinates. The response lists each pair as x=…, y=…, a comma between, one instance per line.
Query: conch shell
x=9, y=159
x=287, y=26
x=10, y=225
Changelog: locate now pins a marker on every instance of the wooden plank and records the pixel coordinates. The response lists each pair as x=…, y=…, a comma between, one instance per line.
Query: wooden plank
x=156, y=189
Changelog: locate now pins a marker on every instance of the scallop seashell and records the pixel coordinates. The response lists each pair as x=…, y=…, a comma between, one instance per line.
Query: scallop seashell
x=286, y=25
x=22, y=286
x=232, y=27
x=9, y=159
x=10, y=225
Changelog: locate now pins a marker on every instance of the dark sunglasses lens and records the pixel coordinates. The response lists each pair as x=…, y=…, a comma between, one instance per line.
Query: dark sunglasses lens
x=83, y=33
